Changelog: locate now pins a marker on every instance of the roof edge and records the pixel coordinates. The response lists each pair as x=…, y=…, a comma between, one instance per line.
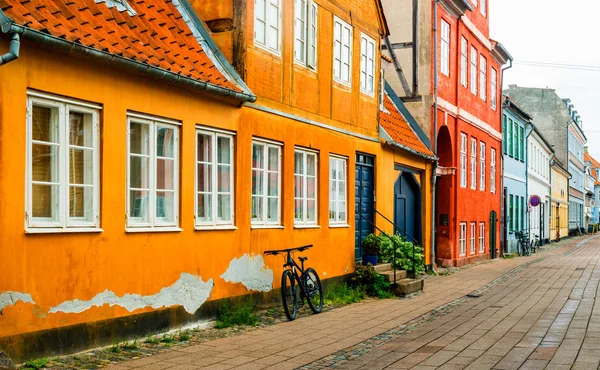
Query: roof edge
x=387, y=139
x=513, y=105
x=500, y=54
x=541, y=136
x=456, y=7
x=407, y=116
x=382, y=19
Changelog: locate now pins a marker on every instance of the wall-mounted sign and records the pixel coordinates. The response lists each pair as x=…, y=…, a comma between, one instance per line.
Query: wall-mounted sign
x=535, y=200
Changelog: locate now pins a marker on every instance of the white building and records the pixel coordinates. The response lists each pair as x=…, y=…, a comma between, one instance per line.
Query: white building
x=539, y=155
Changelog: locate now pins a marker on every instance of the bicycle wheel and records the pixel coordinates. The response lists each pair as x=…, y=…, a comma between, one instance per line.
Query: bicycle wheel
x=289, y=295
x=313, y=290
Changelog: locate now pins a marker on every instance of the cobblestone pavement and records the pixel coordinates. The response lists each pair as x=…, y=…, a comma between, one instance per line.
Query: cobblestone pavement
x=533, y=312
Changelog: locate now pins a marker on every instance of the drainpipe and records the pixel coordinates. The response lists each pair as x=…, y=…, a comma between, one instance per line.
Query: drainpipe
x=501, y=192
x=527, y=179
x=13, y=50
x=550, y=204
x=435, y=125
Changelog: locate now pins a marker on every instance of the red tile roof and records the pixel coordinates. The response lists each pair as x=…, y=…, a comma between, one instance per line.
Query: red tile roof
x=396, y=126
x=156, y=35
x=595, y=165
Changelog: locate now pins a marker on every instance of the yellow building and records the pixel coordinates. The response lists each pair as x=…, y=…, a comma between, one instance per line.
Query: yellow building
x=559, y=219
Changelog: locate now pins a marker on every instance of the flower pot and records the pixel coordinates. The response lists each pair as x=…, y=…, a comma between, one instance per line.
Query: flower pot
x=368, y=258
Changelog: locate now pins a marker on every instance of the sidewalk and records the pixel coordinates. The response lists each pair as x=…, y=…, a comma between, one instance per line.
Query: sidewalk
x=294, y=344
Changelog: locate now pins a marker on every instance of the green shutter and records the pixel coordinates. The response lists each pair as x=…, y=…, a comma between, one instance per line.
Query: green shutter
x=522, y=151
x=505, y=143
x=510, y=214
x=518, y=215
x=516, y=145
x=523, y=212
x=510, y=137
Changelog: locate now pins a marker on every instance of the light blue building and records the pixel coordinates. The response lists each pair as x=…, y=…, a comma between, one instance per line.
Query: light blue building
x=514, y=128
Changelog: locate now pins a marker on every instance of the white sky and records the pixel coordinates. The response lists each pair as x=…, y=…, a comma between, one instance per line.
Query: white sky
x=554, y=31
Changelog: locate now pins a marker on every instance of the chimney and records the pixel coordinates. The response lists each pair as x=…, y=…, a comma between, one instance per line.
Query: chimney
x=585, y=149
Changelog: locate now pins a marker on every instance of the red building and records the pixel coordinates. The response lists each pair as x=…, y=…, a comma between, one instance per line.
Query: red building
x=454, y=87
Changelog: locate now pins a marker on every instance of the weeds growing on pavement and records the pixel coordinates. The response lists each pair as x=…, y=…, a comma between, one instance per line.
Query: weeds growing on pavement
x=183, y=336
x=152, y=340
x=38, y=363
x=167, y=338
x=343, y=294
x=126, y=346
x=230, y=314
x=115, y=348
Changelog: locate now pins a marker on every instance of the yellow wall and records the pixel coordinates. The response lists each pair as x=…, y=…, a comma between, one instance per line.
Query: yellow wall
x=55, y=268
x=560, y=191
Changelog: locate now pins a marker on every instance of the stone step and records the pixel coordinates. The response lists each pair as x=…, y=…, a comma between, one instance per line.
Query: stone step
x=408, y=286
x=400, y=274
x=383, y=267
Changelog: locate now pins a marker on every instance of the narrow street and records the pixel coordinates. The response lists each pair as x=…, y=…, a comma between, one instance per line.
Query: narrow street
x=531, y=312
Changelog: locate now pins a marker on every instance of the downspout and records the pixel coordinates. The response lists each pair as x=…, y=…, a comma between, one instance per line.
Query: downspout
x=13, y=50
x=503, y=234
x=550, y=204
x=435, y=124
x=527, y=180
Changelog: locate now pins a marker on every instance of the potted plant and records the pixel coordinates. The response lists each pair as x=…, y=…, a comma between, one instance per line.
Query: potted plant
x=371, y=246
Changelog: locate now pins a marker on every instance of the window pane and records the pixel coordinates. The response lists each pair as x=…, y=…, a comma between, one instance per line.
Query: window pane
x=273, y=210
x=332, y=169
x=311, y=185
x=273, y=186
x=44, y=163
x=224, y=207
x=273, y=159
x=204, y=210
x=80, y=129
x=298, y=163
x=258, y=156
x=223, y=150
x=204, y=148
x=44, y=201
x=332, y=212
x=139, y=140
x=311, y=210
x=259, y=29
x=298, y=210
x=298, y=186
x=342, y=211
x=165, y=141
x=311, y=162
x=257, y=208
x=204, y=177
x=138, y=204
x=81, y=202
x=224, y=179
x=81, y=166
x=165, y=174
x=139, y=172
x=44, y=124
x=165, y=205
x=257, y=182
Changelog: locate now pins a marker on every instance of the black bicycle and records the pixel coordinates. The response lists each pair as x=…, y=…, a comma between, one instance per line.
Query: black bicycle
x=524, y=246
x=308, y=281
x=534, y=243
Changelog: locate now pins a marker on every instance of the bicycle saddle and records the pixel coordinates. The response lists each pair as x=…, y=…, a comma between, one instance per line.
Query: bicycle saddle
x=302, y=258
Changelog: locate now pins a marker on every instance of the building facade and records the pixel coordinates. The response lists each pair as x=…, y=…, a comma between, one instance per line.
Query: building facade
x=459, y=107
x=594, y=170
x=579, y=180
x=559, y=220
x=539, y=157
x=515, y=126
x=153, y=175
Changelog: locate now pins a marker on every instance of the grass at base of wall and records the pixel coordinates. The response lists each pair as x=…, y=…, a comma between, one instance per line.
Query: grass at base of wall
x=343, y=294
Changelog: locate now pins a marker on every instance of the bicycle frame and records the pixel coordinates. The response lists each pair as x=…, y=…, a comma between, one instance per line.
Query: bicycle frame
x=290, y=264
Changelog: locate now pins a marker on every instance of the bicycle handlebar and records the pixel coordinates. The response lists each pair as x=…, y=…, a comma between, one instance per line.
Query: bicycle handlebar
x=275, y=252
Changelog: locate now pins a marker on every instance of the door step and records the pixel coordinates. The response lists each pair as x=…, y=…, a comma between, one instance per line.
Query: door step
x=383, y=267
x=409, y=286
x=400, y=274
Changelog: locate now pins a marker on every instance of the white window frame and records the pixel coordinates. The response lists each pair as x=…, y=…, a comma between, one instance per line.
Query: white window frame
x=382, y=90
x=474, y=55
x=303, y=220
x=481, y=166
x=493, y=171
x=445, y=48
x=482, y=78
x=483, y=8
x=473, y=163
x=338, y=40
x=365, y=60
x=482, y=237
x=463, y=239
x=494, y=89
x=214, y=136
x=463, y=160
x=343, y=161
x=63, y=222
x=154, y=223
x=264, y=222
x=269, y=26
x=305, y=33
x=472, y=235
x=464, y=46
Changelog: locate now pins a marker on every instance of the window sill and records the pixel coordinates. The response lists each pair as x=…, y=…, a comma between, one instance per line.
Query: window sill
x=342, y=85
x=168, y=229
x=341, y=226
x=50, y=230
x=215, y=228
x=267, y=50
x=307, y=227
x=261, y=227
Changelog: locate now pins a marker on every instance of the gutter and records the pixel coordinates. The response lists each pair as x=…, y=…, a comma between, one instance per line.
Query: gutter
x=126, y=64
x=410, y=150
x=13, y=50
x=501, y=192
x=435, y=124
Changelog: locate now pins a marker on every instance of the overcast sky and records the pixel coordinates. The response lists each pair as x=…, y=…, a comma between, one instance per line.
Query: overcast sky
x=554, y=31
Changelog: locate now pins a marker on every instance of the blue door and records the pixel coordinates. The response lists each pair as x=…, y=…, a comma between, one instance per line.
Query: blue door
x=364, y=205
x=407, y=207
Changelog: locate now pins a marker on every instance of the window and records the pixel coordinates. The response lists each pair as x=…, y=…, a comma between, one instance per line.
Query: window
x=523, y=212
x=214, y=178
x=445, y=49
x=493, y=171
x=381, y=89
x=473, y=230
x=337, y=190
x=482, y=237
x=463, y=62
x=482, y=78
x=473, y=70
x=494, y=89
x=482, y=166
x=473, y=163
x=516, y=143
x=367, y=64
x=463, y=239
x=463, y=160
x=342, y=51
x=504, y=134
x=511, y=214
x=483, y=7
x=305, y=28
x=266, y=183
x=305, y=187
x=510, y=137
x=267, y=30
x=521, y=145
x=63, y=189
x=153, y=173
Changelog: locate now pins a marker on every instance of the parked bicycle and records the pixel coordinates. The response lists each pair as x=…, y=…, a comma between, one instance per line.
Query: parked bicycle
x=307, y=283
x=524, y=248
x=535, y=243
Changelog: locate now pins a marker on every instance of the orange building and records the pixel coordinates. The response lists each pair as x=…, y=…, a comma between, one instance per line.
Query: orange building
x=144, y=170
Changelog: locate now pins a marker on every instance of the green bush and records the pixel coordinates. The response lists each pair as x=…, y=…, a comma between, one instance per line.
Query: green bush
x=404, y=253
x=343, y=294
x=39, y=363
x=371, y=245
x=374, y=284
x=230, y=314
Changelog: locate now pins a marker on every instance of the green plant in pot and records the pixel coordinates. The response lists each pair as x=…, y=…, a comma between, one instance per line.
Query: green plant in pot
x=371, y=246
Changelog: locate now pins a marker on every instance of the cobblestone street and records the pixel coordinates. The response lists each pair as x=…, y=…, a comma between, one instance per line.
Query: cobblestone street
x=530, y=312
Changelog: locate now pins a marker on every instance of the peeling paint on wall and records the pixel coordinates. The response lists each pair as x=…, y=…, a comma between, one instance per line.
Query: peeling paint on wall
x=189, y=291
x=251, y=272
x=11, y=298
